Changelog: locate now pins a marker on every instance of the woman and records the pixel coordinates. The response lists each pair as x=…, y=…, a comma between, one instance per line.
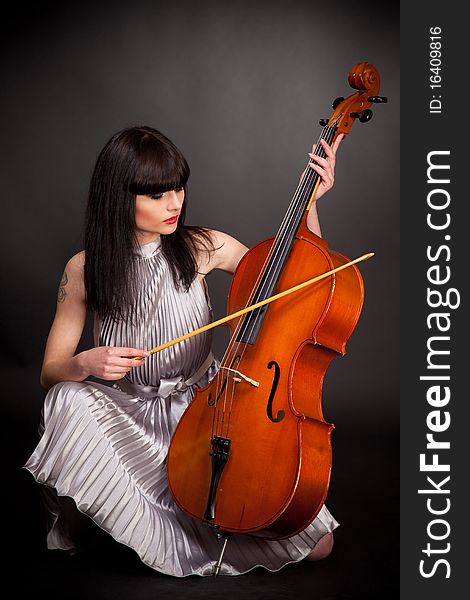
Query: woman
x=102, y=448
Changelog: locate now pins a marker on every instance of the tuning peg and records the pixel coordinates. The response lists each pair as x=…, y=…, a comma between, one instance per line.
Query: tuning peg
x=366, y=115
x=363, y=116
x=337, y=102
x=323, y=122
x=377, y=99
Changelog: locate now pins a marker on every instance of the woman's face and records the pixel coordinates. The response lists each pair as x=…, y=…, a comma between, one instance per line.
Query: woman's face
x=157, y=214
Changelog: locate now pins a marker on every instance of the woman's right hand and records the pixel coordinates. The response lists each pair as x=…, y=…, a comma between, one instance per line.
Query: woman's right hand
x=109, y=362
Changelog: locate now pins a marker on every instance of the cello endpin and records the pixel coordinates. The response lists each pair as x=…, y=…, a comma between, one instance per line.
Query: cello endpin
x=216, y=567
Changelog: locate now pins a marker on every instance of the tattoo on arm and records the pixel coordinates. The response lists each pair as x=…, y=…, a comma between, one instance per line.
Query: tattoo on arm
x=62, y=293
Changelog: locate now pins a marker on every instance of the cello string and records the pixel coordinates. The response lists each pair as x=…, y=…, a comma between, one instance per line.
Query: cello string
x=283, y=232
x=296, y=206
x=215, y=410
x=271, y=262
x=233, y=344
x=279, y=244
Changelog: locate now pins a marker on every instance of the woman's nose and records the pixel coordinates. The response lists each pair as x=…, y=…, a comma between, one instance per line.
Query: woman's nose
x=174, y=200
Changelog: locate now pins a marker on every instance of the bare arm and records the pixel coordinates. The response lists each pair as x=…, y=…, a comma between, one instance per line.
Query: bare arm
x=60, y=362
x=227, y=255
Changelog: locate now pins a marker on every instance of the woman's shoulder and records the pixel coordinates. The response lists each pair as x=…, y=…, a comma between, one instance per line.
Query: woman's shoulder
x=76, y=263
x=227, y=252
x=218, y=239
x=74, y=272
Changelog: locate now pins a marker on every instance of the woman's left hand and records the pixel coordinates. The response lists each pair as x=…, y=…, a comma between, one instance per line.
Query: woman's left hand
x=325, y=167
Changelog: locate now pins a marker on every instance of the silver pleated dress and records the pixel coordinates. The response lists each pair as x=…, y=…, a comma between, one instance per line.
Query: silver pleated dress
x=105, y=447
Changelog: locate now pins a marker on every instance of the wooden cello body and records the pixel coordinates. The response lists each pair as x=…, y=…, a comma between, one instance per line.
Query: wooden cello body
x=252, y=453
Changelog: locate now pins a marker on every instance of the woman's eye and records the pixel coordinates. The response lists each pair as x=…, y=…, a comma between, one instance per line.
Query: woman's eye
x=158, y=196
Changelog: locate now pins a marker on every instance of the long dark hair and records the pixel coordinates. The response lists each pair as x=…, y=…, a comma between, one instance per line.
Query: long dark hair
x=136, y=160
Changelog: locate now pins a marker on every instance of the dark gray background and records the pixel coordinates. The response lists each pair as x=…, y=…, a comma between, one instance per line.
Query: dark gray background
x=239, y=87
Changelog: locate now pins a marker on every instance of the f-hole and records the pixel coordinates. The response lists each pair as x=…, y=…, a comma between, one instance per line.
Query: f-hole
x=212, y=402
x=269, y=408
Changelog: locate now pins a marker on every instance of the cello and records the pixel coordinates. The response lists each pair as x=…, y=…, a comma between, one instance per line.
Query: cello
x=252, y=452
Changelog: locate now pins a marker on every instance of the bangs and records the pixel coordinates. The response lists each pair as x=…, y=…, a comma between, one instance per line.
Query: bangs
x=158, y=168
